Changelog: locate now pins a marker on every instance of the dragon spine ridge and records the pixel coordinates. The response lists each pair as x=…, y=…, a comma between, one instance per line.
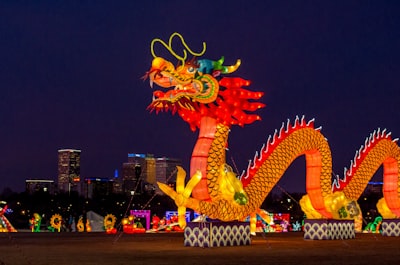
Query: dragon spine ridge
x=360, y=154
x=272, y=143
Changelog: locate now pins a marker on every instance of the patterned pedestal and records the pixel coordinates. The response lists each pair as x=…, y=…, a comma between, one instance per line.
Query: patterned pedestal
x=217, y=234
x=391, y=227
x=317, y=229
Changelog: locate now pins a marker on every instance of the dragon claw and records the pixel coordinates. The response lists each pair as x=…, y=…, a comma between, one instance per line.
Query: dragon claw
x=182, y=194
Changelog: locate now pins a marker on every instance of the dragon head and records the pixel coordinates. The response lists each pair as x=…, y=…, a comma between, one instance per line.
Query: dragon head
x=196, y=88
x=185, y=85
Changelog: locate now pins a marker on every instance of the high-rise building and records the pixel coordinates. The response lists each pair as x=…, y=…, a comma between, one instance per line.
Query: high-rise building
x=166, y=171
x=142, y=171
x=117, y=183
x=137, y=172
x=69, y=170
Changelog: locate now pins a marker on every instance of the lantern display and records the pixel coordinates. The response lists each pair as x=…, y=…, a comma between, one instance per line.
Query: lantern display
x=35, y=222
x=5, y=225
x=109, y=224
x=55, y=222
x=204, y=94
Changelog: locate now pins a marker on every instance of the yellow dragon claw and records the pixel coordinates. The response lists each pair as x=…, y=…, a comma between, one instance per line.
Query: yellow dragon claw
x=182, y=194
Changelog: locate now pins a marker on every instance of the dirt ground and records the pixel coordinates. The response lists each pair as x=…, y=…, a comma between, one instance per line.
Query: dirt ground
x=167, y=248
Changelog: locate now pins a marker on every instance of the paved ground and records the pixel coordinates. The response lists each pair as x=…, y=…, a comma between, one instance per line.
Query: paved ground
x=167, y=248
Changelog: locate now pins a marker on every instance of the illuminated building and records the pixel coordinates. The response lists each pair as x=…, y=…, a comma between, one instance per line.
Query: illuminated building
x=132, y=173
x=39, y=185
x=137, y=172
x=142, y=171
x=166, y=171
x=117, y=183
x=69, y=169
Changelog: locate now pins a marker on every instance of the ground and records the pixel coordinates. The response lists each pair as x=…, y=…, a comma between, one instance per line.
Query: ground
x=167, y=248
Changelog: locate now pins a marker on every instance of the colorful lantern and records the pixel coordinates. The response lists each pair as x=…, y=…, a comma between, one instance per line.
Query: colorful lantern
x=202, y=94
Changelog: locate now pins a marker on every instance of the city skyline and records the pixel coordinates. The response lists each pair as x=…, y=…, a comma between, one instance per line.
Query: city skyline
x=138, y=173
x=71, y=78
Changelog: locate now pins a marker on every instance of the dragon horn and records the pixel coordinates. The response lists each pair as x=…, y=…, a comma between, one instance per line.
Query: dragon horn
x=232, y=68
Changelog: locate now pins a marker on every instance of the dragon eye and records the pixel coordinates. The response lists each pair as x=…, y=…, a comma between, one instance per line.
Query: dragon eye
x=190, y=69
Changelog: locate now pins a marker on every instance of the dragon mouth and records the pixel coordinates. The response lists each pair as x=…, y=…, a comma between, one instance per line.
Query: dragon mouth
x=179, y=95
x=172, y=100
x=161, y=79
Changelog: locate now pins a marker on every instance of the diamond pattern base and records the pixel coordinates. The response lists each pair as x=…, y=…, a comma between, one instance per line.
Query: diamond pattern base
x=217, y=234
x=391, y=227
x=316, y=229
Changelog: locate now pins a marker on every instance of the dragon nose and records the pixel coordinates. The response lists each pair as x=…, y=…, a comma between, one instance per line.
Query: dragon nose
x=157, y=63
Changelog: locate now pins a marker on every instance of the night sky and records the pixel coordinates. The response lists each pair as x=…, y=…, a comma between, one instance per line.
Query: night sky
x=70, y=78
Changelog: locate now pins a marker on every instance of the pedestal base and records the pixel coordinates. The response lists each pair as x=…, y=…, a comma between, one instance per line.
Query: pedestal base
x=217, y=234
x=319, y=229
x=391, y=227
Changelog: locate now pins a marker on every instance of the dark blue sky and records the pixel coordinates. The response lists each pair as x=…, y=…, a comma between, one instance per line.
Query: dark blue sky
x=70, y=77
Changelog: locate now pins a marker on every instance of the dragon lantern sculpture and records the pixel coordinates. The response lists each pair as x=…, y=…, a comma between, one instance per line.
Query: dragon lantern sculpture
x=207, y=98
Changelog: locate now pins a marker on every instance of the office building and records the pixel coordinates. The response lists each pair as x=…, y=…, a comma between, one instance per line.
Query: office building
x=166, y=172
x=137, y=172
x=69, y=170
x=39, y=185
x=142, y=171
